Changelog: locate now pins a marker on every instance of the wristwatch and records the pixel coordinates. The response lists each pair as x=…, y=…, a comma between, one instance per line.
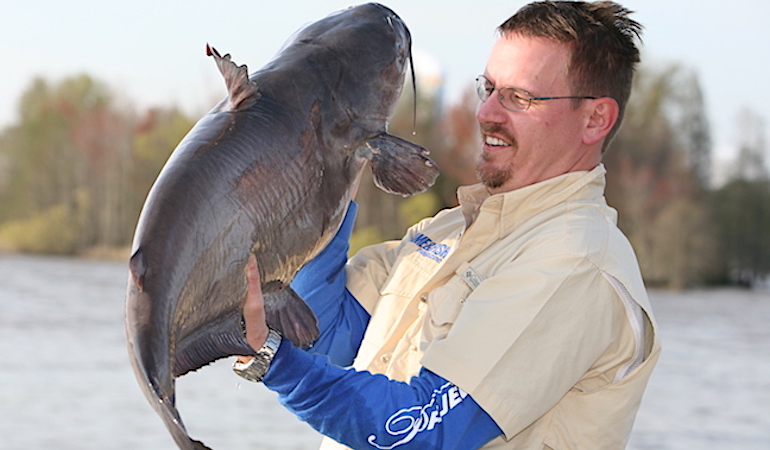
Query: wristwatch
x=256, y=369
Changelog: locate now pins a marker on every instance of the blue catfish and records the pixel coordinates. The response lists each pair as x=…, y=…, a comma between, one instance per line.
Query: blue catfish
x=269, y=171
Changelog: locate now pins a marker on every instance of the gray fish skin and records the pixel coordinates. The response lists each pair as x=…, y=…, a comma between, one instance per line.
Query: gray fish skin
x=269, y=171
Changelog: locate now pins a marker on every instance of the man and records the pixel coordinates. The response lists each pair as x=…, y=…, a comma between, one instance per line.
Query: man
x=517, y=320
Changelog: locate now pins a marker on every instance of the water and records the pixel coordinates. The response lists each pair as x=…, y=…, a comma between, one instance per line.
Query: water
x=66, y=383
x=711, y=389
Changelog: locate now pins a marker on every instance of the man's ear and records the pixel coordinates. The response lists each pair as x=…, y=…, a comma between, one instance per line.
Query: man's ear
x=602, y=118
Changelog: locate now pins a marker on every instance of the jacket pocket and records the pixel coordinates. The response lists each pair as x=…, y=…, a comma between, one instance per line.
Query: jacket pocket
x=445, y=303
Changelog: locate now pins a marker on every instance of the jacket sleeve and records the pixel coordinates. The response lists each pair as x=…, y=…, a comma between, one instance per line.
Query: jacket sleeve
x=362, y=410
x=321, y=283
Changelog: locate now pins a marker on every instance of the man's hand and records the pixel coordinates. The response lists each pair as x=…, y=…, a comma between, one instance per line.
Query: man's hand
x=254, y=309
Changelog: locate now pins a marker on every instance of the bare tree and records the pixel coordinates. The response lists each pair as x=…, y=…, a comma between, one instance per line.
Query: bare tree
x=658, y=169
x=742, y=207
x=70, y=167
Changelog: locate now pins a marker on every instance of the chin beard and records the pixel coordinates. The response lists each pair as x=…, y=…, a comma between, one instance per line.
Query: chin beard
x=490, y=174
x=491, y=177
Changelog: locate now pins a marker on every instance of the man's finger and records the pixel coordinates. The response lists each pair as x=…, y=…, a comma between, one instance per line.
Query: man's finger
x=252, y=273
x=254, y=308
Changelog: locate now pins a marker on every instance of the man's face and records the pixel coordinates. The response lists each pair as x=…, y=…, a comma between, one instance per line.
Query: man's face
x=525, y=147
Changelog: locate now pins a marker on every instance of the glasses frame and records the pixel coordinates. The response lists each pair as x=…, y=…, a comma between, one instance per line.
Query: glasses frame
x=484, y=92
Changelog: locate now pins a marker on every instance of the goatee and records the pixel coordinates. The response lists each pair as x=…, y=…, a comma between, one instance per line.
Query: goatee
x=490, y=174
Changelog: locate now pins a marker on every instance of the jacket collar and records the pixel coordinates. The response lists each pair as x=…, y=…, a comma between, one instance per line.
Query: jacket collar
x=515, y=207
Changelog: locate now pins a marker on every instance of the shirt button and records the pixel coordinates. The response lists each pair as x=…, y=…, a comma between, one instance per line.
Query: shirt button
x=385, y=358
x=424, y=297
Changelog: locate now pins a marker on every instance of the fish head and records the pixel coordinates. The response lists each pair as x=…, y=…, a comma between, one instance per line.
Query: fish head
x=363, y=53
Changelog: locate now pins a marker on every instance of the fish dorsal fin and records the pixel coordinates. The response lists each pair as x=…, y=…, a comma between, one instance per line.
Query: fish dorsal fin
x=241, y=91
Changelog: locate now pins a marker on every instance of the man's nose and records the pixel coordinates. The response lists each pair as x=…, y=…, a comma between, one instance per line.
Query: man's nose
x=491, y=110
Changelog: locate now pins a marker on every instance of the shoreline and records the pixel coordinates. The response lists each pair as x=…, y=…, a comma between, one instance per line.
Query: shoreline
x=114, y=254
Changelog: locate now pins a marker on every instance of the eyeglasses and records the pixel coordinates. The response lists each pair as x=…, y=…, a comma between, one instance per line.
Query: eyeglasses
x=512, y=98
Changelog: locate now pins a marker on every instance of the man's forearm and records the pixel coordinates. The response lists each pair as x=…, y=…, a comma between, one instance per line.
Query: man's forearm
x=363, y=410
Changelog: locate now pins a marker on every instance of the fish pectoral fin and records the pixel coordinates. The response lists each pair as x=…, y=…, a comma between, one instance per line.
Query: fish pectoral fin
x=242, y=92
x=286, y=312
x=399, y=166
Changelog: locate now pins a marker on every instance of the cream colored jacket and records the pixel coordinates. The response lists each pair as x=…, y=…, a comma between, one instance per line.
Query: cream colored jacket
x=530, y=301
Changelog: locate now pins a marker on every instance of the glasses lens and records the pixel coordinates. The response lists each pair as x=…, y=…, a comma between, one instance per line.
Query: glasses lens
x=514, y=99
x=483, y=88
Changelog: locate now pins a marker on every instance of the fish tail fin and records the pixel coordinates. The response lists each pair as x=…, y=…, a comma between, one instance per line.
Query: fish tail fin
x=399, y=166
x=159, y=390
x=288, y=313
x=242, y=92
x=174, y=424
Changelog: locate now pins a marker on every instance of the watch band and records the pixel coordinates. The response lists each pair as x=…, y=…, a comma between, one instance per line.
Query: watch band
x=256, y=369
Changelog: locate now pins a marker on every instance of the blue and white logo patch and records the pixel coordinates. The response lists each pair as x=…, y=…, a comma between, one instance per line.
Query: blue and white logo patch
x=405, y=424
x=430, y=248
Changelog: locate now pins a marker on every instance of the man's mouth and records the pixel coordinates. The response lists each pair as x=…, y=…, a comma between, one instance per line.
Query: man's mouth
x=492, y=141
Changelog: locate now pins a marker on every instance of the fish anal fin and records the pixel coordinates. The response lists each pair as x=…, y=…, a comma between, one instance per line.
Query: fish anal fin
x=225, y=338
x=288, y=313
x=242, y=92
x=399, y=166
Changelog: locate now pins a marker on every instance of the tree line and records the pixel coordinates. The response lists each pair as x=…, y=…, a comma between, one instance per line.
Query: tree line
x=76, y=166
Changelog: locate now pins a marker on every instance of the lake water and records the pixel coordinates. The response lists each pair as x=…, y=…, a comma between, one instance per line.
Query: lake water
x=66, y=383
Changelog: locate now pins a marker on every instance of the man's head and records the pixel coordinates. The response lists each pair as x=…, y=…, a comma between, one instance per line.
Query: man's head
x=549, y=50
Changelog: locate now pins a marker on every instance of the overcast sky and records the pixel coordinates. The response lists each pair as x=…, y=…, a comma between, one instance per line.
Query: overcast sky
x=152, y=52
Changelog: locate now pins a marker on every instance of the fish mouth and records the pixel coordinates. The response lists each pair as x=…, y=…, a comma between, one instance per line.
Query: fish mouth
x=403, y=51
x=398, y=26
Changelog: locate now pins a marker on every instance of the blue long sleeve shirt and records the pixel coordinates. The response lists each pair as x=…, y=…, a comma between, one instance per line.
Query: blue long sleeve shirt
x=321, y=283
x=367, y=411
x=357, y=408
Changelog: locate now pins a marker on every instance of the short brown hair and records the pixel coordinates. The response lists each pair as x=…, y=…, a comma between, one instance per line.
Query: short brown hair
x=603, y=41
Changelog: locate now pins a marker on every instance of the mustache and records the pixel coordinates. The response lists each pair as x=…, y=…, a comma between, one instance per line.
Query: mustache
x=490, y=127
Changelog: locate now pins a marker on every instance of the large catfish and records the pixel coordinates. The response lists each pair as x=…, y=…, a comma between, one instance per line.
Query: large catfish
x=269, y=171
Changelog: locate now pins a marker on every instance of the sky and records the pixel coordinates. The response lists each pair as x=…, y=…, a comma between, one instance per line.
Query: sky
x=152, y=52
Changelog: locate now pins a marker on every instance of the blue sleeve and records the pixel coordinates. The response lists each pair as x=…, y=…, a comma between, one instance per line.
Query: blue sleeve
x=363, y=411
x=321, y=283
